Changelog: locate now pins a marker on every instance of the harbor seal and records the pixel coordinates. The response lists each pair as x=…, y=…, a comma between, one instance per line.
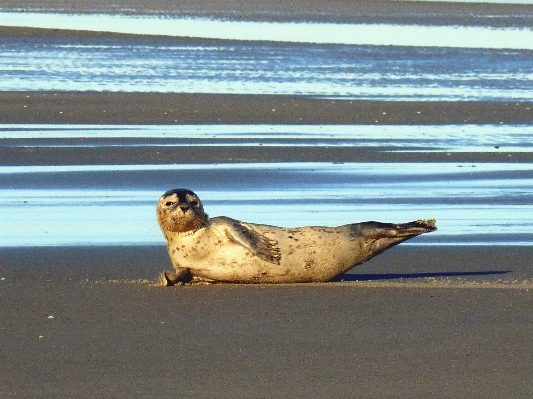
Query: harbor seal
x=222, y=249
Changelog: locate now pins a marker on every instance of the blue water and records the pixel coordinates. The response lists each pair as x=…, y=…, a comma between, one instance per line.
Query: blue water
x=375, y=34
x=473, y=203
x=476, y=203
x=411, y=69
x=393, y=138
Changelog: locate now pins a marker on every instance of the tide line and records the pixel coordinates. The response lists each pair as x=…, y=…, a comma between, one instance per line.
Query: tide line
x=325, y=33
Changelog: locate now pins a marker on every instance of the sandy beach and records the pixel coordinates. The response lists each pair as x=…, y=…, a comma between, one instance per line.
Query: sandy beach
x=89, y=324
x=69, y=337
x=162, y=108
x=416, y=321
x=346, y=11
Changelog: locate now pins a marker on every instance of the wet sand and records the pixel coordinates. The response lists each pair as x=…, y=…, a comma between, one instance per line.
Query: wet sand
x=161, y=108
x=75, y=327
x=346, y=11
x=120, y=340
x=414, y=322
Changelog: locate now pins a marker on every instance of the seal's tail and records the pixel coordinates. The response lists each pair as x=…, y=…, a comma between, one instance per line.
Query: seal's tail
x=381, y=236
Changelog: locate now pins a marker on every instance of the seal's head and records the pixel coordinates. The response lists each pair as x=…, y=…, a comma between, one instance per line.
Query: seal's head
x=180, y=211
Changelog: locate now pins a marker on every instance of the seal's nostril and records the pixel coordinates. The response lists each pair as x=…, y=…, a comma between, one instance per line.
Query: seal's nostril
x=184, y=207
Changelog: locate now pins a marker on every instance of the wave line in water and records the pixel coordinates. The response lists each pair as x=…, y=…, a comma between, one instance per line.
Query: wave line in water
x=298, y=32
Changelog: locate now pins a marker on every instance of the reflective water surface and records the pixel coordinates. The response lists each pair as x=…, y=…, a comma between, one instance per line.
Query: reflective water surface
x=474, y=204
x=400, y=65
x=295, y=32
x=114, y=204
x=398, y=138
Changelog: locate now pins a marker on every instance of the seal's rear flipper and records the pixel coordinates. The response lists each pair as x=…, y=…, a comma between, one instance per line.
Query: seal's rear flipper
x=381, y=236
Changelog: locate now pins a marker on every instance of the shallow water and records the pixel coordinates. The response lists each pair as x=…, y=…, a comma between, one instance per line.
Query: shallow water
x=114, y=205
x=393, y=138
x=474, y=204
x=409, y=69
x=292, y=32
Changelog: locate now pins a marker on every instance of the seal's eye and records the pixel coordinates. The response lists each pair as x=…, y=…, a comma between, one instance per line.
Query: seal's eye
x=193, y=203
x=169, y=203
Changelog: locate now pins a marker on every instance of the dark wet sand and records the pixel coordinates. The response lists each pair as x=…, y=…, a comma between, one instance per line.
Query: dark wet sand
x=421, y=322
x=347, y=11
x=434, y=321
x=84, y=322
x=158, y=108
x=119, y=340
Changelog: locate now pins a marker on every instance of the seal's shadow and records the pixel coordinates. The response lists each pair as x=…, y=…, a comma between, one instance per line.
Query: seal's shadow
x=392, y=276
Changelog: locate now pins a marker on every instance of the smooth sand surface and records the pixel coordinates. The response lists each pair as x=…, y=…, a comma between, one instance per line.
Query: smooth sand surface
x=160, y=108
x=119, y=340
x=348, y=11
x=101, y=332
x=421, y=322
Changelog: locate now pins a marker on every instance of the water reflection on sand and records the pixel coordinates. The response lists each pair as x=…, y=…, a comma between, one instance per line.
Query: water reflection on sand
x=114, y=204
x=427, y=138
x=377, y=61
x=474, y=204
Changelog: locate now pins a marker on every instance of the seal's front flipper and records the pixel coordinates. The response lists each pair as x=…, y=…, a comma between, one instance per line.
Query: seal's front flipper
x=257, y=243
x=169, y=277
